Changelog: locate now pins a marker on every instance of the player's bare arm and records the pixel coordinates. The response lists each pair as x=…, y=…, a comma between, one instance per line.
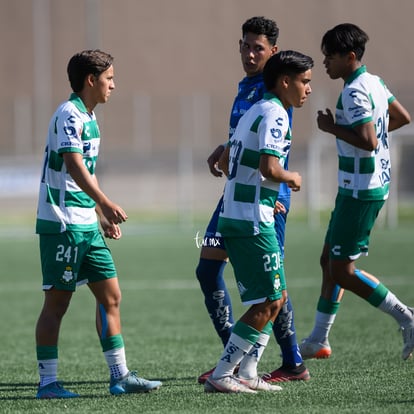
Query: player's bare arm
x=399, y=116
x=272, y=170
x=213, y=160
x=113, y=213
x=362, y=136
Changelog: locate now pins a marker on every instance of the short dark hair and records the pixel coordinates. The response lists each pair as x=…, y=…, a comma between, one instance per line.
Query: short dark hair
x=344, y=38
x=85, y=63
x=259, y=25
x=286, y=62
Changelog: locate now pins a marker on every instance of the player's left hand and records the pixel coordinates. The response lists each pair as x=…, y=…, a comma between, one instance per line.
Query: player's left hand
x=111, y=231
x=279, y=208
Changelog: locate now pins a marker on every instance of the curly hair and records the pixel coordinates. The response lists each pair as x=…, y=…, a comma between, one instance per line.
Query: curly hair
x=262, y=26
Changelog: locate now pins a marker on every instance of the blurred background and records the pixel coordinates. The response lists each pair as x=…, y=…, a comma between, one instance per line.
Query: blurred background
x=177, y=67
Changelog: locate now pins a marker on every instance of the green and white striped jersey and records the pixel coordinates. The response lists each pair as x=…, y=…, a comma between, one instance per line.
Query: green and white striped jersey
x=62, y=205
x=364, y=175
x=249, y=198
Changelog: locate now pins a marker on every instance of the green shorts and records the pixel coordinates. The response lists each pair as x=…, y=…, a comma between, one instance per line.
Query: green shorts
x=71, y=259
x=350, y=227
x=258, y=267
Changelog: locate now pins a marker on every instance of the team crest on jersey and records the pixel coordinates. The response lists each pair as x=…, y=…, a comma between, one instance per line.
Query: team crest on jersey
x=251, y=94
x=67, y=276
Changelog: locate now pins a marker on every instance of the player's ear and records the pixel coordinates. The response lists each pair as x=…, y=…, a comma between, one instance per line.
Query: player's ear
x=352, y=57
x=90, y=80
x=285, y=80
x=274, y=49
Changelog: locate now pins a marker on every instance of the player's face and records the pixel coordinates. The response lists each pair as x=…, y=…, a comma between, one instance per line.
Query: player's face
x=337, y=65
x=103, y=85
x=255, y=50
x=298, y=88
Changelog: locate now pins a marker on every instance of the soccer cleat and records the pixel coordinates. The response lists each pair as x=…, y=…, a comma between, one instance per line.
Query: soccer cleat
x=408, y=338
x=258, y=384
x=54, y=390
x=318, y=350
x=229, y=384
x=283, y=374
x=203, y=377
x=131, y=383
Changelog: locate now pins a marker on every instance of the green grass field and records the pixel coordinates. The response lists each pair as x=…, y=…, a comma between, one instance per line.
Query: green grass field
x=169, y=336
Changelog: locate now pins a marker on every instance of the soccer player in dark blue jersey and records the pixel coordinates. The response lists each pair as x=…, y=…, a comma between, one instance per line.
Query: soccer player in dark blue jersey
x=258, y=43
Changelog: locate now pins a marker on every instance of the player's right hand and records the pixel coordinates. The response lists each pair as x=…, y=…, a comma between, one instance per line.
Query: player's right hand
x=295, y=182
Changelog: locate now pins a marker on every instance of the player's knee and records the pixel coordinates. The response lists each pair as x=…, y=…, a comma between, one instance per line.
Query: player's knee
x=274, y=308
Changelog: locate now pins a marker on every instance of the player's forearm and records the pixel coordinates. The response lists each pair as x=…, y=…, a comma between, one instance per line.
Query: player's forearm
x=86, y=182
x=362, y=136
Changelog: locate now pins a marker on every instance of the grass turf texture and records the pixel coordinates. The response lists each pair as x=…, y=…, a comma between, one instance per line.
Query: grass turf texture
x=169, y=336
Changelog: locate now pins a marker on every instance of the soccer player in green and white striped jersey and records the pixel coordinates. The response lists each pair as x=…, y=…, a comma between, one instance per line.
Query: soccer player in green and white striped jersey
x=366, y=112
x=255, y=169
x=73, y=250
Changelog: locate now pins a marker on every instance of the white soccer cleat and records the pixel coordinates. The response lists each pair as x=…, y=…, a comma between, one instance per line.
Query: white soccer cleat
x=229, y=384
x=408, y=338
x=258, y=384
x=318, y=350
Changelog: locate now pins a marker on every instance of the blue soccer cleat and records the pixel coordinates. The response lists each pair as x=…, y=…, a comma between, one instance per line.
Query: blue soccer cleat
x=54, y=390
x=131, y=383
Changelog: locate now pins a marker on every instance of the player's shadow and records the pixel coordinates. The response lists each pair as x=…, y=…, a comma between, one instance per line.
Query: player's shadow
x=19, y=390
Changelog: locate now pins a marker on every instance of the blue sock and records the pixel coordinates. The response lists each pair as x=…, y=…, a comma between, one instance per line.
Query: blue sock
x=285, y=334
x=216, y=296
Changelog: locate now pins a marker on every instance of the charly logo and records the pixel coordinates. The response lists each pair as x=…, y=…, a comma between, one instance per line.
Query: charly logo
x=67, y=276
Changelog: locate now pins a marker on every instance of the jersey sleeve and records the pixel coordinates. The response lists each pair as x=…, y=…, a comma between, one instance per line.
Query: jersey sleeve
x=357, y=107
x=68, y=128
x=273, y=134
x=390, y=96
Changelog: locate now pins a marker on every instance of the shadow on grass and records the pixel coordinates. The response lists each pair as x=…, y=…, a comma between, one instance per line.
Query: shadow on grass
x=18, y=391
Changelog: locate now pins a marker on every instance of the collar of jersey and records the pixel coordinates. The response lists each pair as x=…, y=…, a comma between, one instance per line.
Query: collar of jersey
x=77, y=101
x=272, y=97
x=356, y=73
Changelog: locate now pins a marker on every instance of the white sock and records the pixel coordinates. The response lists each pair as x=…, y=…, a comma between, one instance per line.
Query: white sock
x=323, y=324
x=115, y=358
x=47, y=371
x=248, y=365
x=233, y=353
x=394, y=307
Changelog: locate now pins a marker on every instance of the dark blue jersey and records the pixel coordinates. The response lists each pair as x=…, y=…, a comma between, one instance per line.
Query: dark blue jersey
x=251, y=90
